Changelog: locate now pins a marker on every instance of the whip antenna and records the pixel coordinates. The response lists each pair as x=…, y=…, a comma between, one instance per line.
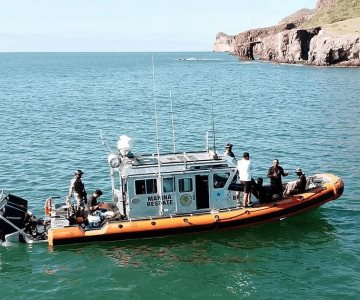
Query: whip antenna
x=159, y=185
x=213, y=119
x=103, y=142
x=172, y=122
x=155, y=108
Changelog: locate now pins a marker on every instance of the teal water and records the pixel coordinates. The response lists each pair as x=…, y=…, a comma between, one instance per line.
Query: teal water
x=52, y=107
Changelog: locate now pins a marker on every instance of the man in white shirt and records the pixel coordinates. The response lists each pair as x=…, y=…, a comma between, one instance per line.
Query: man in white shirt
x=244, y=168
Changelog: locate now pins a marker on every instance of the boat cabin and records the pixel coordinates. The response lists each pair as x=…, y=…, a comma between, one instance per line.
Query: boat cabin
x=174, y=183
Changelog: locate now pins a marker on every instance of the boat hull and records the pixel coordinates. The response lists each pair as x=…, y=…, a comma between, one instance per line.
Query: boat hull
x=202, y=221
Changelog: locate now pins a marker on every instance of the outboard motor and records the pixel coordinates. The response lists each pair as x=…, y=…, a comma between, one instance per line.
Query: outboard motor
x=13, y=213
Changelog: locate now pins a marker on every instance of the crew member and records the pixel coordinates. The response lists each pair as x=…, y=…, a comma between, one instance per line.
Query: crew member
x=274, y=173
x=93, y=203
x=300, y=183
x=244, y=168
x=228, y=150
x=77, y=189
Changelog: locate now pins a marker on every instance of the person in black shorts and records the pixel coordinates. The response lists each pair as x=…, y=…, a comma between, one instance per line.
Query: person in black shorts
x=244, y=168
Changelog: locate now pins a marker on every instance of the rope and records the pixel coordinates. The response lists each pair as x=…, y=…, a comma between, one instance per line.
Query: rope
x=218, y=219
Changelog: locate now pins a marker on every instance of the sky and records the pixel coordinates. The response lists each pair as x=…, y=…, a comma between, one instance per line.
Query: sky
x=132, y=25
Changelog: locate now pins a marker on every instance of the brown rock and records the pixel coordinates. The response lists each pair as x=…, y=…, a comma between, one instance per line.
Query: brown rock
x=326, y=50
x=249, y=42
x=288, y=46
x=331, y=44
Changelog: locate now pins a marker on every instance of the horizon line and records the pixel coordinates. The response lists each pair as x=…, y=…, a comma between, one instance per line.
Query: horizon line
x=148, y=51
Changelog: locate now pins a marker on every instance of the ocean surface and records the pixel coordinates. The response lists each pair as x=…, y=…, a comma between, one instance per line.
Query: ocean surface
x=53, y=106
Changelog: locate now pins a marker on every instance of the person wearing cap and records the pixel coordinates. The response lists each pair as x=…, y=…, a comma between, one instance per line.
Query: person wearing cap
x=93, y=203
x=275, y=173
x=77, y=189
x=228, y=150
x=244, y=168
x=301, y=182
x=298, y=186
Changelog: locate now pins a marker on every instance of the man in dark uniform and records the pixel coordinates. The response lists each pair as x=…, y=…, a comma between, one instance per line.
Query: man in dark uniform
x=228, y=150
x=77, y=189
x=274, y=173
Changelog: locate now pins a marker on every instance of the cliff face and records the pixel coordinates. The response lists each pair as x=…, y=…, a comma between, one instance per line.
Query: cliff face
x=290, y=46
x=330, y=50
x=292, y=42
x=224, y=43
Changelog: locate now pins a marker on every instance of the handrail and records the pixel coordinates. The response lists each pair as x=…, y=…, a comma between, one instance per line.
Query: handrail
x=2, y=192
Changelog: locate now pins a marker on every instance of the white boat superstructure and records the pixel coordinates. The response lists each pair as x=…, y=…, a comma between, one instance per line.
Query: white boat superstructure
x=172, y=183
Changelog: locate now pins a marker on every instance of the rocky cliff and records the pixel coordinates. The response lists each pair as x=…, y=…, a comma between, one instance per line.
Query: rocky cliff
x=302, y=38
x=224, y=43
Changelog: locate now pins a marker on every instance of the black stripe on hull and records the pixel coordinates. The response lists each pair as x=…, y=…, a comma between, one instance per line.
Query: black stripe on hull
x=295, y=209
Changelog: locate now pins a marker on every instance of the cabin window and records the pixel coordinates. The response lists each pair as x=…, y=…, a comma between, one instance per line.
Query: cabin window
x=220, y=179
x=168, y=185
x=148, y=186
x=140, y=187
x=185, y=185
x=151, y=186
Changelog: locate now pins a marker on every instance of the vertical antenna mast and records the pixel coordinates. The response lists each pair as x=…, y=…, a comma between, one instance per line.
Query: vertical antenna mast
x=172, y=122
x=212, y=118
x=159, y=185
x=155, y=108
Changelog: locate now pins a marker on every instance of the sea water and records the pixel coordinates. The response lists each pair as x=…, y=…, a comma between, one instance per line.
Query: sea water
x=53, y=107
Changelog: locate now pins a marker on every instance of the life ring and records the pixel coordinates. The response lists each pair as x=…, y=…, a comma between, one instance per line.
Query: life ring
x=48, y=207
x=185, y=200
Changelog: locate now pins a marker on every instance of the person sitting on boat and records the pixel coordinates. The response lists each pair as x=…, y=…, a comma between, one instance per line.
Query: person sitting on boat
x=298, y=186
x=301, y=183
x=275, y=173
x=228, y=151
x=93, y=203
x=77, y=189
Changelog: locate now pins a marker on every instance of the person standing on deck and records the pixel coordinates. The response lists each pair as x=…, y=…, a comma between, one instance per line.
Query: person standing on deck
x=77, y=189
x=275, y=173
x=244, y=168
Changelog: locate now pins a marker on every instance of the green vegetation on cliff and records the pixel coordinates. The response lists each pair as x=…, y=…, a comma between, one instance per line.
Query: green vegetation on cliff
x=339, y=11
